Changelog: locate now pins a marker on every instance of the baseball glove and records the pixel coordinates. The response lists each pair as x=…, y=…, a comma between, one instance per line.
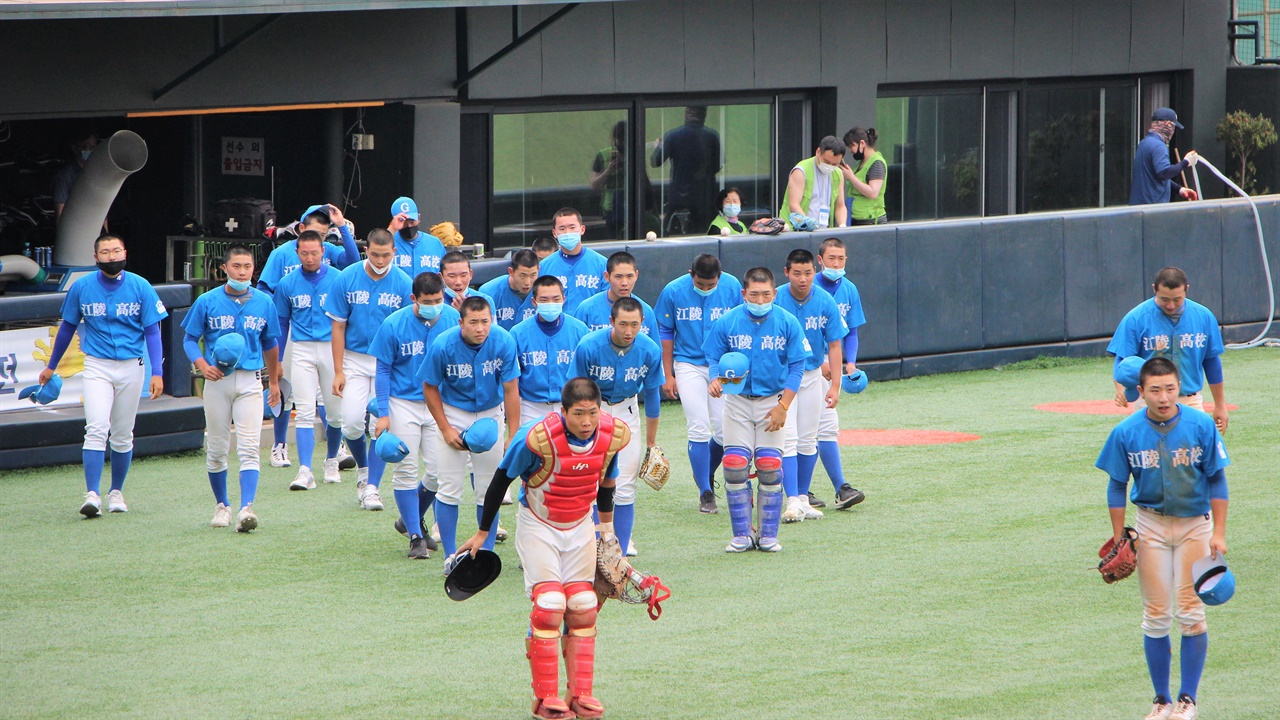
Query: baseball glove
x=611, y=566
x=655, y=469
x=1119, y=560
x=448, y=234
x=767, y=226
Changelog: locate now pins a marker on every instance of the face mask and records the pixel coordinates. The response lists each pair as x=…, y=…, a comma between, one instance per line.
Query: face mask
x=759, y=309
x=825, y=169
x=84, y=154
x=430, y=312
x=550, y=312
x=238, y=285
x=111, y=267
x=369, y=264
x=569, y=241
x=703, y=293
x=859, y=155
x=832, y=274
x=731, y=211
x=409, y=233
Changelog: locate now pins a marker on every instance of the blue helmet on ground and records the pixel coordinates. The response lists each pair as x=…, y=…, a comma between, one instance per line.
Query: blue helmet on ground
x=270, y=411
x=43, y=394
x=1127, y=373
x=481, y=436
x=734, y=367
x=855, y=383
x=466, y=575
x=1214, y=582
x=390, y=448
x=228, y=350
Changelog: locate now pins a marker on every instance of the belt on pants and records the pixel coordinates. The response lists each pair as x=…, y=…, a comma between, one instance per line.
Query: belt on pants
x=607, y=401
x=1161, y=514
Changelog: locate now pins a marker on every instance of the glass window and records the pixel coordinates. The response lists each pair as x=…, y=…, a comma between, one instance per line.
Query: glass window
x=1062, y=148
x=1118, y=145
x=694, y=152
x=934, y=147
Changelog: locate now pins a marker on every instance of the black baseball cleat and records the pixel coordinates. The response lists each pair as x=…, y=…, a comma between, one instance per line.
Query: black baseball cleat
x=848, y=497
x=400, y=528
x=707, y=503
x=815, y=502
x=431, y=544
x=418, y=548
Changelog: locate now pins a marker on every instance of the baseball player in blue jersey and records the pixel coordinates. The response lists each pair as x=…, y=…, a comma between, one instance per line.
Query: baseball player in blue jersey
x=687, y=308
x=363, y=297
x=121, y=314
x=832, y=257
x=544, y=246
x=455, y=272
x=470, y=373
x=544, y=347
x=325, y=220
x=1172, y=326
x=620, y=275
x=755, y=411
x=400, y=347
x=234, y=393
x=1174, y=454
x=580, y=269
x=511, y=297
x=299, y=300
x=824, y=328
x=416, y=251
x=625, y=362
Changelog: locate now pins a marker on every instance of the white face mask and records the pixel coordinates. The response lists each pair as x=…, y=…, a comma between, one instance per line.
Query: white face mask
x=369, y=264
x=825, y=169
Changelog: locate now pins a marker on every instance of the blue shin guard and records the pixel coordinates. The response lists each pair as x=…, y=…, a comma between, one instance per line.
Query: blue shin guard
x=407, y=504
x=248, y=486
x=447, y=517
x=768, y=471
x=829, y=451
x=93, y=461
x=306, y=438
x=332, y=441
x=218, y=483
x=737, y=492
x=804, y=472
x=700, y=463
x=1159, y=652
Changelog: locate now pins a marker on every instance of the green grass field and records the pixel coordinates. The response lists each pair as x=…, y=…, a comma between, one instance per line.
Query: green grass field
x=964, y=587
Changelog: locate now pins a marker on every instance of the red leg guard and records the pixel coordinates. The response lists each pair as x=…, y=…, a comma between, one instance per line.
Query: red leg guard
x=544, y=664
x=580, y=665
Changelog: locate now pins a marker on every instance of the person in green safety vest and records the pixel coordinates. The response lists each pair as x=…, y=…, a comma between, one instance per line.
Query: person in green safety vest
x=864, y=184
x=815, y=194
x=726, y=222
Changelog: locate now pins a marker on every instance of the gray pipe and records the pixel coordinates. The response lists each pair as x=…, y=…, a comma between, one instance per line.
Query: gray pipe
x=112, y=161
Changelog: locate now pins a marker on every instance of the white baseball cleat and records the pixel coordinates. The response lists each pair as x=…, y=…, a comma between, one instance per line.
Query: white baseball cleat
x=1186, y=709
x=435, y=531
x=280, y=455
x=221, y=516
x=92, y=505
x=1160, y=710
x=115, y=502
x=769, y=544
x=631, y=549
x=499, y=534
x=794, y=512
x=331, y=474
x=305, y=480
x=246, y=520
x=740, y=544
x=371, y=500
x=810, y=512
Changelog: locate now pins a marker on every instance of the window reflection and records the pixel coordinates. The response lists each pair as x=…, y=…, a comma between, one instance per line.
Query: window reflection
x=934, y=143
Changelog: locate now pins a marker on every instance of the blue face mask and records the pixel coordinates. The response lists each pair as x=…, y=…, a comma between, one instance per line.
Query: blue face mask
x=84, y=154
x=550, y=312
x=703, y=293
x=759, y=309
x=569, y=241
x=732, y=210
x=238, y=285
x=430, y=312
x=832, y=274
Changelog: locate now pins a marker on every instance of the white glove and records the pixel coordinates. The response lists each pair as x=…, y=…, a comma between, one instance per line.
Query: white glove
x=1192, y=158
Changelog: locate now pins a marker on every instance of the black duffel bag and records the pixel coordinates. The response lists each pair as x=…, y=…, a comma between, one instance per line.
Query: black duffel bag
x=242, y=218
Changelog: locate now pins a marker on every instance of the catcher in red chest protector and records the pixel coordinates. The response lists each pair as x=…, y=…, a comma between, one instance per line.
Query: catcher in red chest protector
x=567, y=460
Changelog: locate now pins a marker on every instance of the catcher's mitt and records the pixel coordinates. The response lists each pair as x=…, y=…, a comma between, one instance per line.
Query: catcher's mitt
x=655, y=469
x=1119, y=560
x=767, y=226
x=611, y=566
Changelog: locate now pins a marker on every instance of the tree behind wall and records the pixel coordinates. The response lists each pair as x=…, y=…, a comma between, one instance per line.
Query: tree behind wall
x=1244, y=135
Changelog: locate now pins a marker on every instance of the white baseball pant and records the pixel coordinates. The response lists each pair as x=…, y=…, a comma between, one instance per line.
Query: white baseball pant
x=312, y=377
x=236, y=397
x=550, y=554
x=746, y=420
x=804, y=416
x=530, y=410
x=703, y=414
x=360, y=370
x=1167, y=546
x=628, y=411
x=451, y=464
x=411, y=421
x=112, y=389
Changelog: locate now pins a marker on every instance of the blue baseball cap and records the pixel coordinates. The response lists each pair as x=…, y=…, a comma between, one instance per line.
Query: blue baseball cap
x=228, y=350
x=43, y=394
x=855, y=383
x=734, y=367
x=1167, y=114
x=372, y=407
x=1127, y=373
x=406, y=206
x=481, y=436
x=1214, y=582
x=270, y=411
x=390, y=448
x=322, y=209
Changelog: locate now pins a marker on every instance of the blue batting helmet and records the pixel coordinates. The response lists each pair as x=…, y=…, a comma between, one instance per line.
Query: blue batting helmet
x=270, y=411
x=228, y=350
x=734, y=368
x=855, y=383
x=43, y=394
x=390, y=448
x=481, y=436
x=1214, y=582
x=372, y=408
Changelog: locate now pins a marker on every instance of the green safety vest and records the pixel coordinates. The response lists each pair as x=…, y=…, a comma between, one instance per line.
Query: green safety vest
x=809, y=165
x=865, y=208
x=720, y=222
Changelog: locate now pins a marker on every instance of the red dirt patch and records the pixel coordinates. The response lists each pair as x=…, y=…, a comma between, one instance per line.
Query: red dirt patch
x=1103, y=407
x=904, y=437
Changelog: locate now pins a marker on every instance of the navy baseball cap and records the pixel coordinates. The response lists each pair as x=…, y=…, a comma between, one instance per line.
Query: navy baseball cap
x=1167, y=114
x=405, y=205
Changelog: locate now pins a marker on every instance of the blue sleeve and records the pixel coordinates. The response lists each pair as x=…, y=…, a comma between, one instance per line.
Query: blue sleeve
x=66, y=331
x=652, y=401
x=284, y=334
x=519, y=459
x=153, y=310
x=1218, y=486
x=1113, y=460
x=612, y=472
x=579, y=362
x=191, y=345
x=279, y=299
x=1116, y=493
x=351, y=256
x=335, y=302
x=665, y=310
x=71, y=305
x=430, y=371
x=837, y=328
x=851, y=346
x=271, y=343
x=510, y=361
x=382, y=387
x=1215, y=339
x=795, y=373
x=272, y=331
x=713, y=347
x=1166, y=170
x=665, y=333
x=1124, y=343
x=1213, y=369
x=270, y=276
x=1215, y=455
x=155, y=349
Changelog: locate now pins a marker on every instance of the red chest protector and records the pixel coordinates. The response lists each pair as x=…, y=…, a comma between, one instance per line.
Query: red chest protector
x=560, y=493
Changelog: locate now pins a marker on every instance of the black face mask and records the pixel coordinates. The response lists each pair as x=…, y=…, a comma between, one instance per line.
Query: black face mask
x=112, y=267
x=859, y=155
x=409, y=233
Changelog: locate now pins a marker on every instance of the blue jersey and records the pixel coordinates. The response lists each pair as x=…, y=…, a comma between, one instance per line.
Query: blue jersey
x=113, y=319
x=301, y=303
x=545, y=351
x=284, y=259
x=402, y=341
x=470, y=378
x=363, y=303
x=770, y=344
x=582, y=274
x=509, y=308
x=620, y=375
x=820, y=318
x=521, y=462
x=1170, y=462
x=1147, y=332
x=595, y=310
x=420, y=255
x=252, y=315
x=685, y=316
x=847, y=299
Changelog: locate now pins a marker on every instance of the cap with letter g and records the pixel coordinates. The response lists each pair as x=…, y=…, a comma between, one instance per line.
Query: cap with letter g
x=405, y=206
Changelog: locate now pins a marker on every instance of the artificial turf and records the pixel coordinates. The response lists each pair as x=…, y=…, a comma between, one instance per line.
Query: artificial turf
x=964, y=587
